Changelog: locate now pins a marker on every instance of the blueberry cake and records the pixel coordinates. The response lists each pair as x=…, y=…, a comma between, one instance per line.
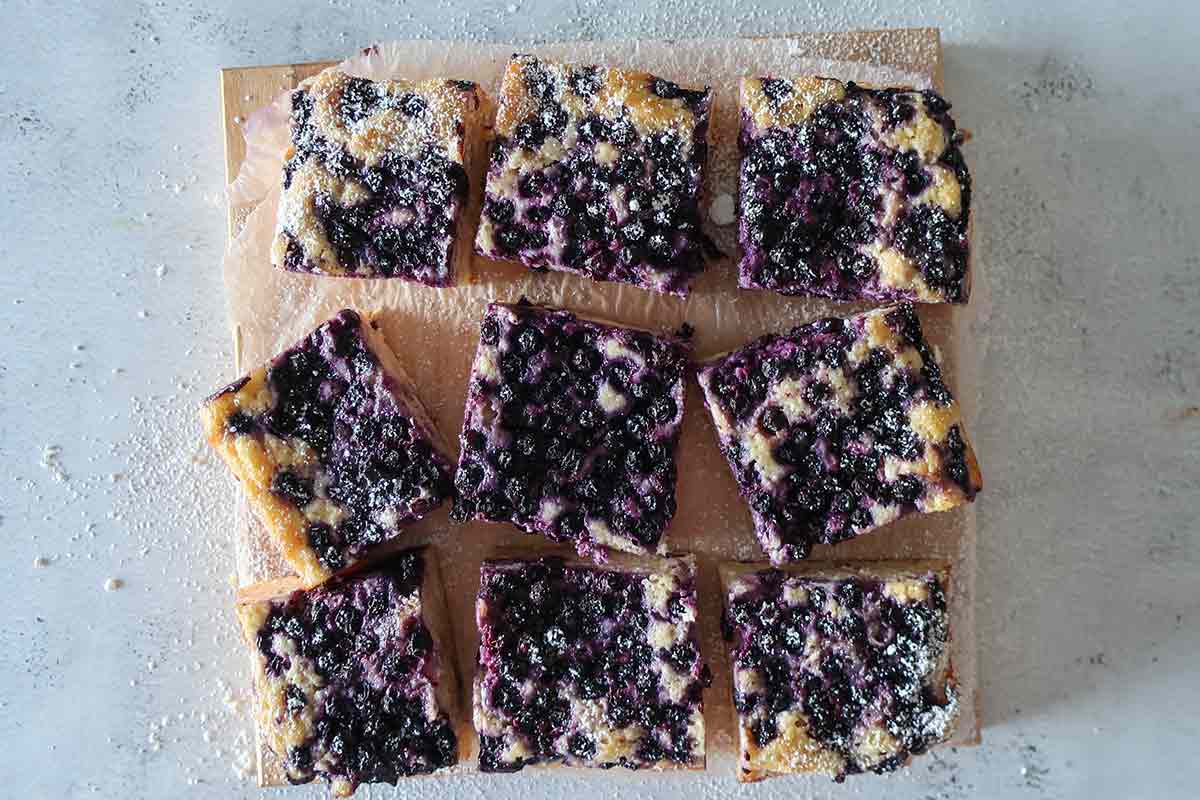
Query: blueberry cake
x=354, y=680
x=589, y=666
x=570, y=429
x=598, y=171
x=335, y=452
x=838, y=669
x=852, y=193
x=839, y=427
x=376, y=179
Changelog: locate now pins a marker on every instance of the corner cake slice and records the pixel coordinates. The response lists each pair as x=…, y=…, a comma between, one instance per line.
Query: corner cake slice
x=355, y=680
x=838, y=669
x=839, y=427
x=570, y=429
x=598, y=171
x=376, y=182
x=589, y=666
x=852, y=193
x=335, y=452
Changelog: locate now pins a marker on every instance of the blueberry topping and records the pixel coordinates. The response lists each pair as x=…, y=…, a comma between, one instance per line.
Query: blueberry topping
x=776, y=90
x=370, y=725
x=412, y=105
x=359, y=99
x=632, y=217
x=553, y=447
x=871, y=661
x=810, y=204
x=292, y=487
x=426, y=189
x=362, y=455
x=829, y=456
x=578, y=632
x=240, y=422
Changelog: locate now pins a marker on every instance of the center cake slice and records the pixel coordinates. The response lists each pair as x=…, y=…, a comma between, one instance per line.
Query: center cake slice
x=570, y=429
x=589, y=666
x=850, y=192
x=839, y=427
x=377, y=178
x=838, y=669
x=355, y=680
x=334, y=450
x=598, y=171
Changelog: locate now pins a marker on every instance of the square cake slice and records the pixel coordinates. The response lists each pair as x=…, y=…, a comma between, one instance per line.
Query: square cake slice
x=570, y=429
x=589, y=666
x=852, y=193
x=598, y=171
x=375, y=182
x=334, y=450
x=839, y=427
x=355, y=680
x=838, y=669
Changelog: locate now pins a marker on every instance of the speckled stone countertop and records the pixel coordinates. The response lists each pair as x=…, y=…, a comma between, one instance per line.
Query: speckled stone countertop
x=125, y=678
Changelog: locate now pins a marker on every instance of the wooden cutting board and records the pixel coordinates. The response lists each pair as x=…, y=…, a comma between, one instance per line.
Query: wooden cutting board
x=950, y=536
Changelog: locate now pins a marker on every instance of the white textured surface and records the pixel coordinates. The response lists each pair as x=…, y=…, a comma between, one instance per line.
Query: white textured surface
x=1084, y=121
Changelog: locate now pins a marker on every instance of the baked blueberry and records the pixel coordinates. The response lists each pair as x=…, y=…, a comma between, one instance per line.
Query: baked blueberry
x=375, y=181
x=335, y=452
x=852, y=193
x=354, y=680
x=838, y=669
x=598, y=171
x=589, y=666
x=839, y=427
x=570, y=429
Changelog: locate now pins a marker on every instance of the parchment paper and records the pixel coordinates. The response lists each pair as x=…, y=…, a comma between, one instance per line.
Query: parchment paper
x=434, y=331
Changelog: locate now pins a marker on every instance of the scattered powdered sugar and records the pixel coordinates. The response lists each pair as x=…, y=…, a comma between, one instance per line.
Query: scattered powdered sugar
x=51, y=462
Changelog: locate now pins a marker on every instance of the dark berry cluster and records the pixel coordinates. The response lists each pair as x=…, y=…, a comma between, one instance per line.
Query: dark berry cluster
x=810, y=201
x=371, y=722
x=540, y=436
x=579, y=633
x=653, y=230
x=426, y=191
x=867, y=664
x=375, y=464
